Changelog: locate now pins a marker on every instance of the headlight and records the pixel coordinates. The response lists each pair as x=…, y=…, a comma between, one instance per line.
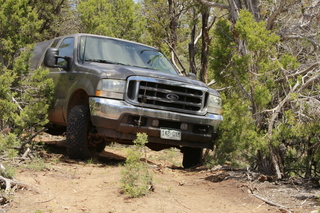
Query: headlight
x=111, y=88
x=214, y=104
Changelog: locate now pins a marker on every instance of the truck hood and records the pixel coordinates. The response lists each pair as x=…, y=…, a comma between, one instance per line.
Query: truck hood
x=123, y=72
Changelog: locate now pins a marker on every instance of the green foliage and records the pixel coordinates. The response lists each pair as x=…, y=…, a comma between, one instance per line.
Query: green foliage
x=119, y=19
x=37, y=164
x=33, y=94
x=167, y=22
x=136, y=179
x=255, y=34
x=239, y=135
x=7, y=171
x=6, y=104
x=7, y=144
x=25, y=96
x=251, y=70
x=157, y=20
x=221, y=50
x=57, y=17
x=25, y=102
x=18, y=27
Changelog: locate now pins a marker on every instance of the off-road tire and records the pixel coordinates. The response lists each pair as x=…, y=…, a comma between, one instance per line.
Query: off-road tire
x=78, y=126
x=191, y=156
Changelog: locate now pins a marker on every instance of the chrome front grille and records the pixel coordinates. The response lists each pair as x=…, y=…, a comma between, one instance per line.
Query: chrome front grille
x=166, y=95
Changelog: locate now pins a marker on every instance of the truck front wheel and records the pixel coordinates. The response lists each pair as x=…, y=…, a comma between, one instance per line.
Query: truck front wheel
x=78, y=127
x=191, y=156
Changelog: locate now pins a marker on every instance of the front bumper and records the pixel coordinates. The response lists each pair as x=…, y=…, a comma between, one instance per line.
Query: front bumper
x=120, y=120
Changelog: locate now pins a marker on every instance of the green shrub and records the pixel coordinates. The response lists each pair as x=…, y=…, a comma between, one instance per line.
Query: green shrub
x=7, y=144
x=136, y=179
x=7, y=171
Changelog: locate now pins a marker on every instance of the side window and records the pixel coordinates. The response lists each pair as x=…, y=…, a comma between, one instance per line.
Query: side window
x=65, y=49
x=55, y=42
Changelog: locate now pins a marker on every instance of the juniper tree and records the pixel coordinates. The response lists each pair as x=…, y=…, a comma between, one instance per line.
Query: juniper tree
x=262, y=107
x=119, y=19
x=25, y=96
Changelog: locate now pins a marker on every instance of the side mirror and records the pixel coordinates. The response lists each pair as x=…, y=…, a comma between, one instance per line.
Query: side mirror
x=51, y=57
x=192, y=75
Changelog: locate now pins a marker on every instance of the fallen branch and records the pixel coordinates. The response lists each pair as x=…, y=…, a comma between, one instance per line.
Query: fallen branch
x=45, y=201
x=272, y=203
x=12, y=183
x=31, y=138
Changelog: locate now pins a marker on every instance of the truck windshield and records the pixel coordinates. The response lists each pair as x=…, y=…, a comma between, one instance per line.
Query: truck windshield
x=113, y=51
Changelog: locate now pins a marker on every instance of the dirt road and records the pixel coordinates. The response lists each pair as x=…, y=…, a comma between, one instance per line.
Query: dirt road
x=75, y=186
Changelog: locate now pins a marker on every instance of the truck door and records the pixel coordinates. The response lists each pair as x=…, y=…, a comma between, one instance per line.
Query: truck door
x=62, y=81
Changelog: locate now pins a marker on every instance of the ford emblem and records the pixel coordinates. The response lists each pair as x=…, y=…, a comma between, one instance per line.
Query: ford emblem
x=172, y=97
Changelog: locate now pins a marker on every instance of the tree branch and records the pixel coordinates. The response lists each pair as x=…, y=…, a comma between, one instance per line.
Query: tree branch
x=311, y=67
x=213, y=4
x=272, y=203
x=9, y=183
x=174, y=52
x=310, y=81
x=313, y=42
x=274, y=15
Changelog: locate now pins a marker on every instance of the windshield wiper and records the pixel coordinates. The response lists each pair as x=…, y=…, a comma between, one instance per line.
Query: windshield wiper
x=100, y=61
x=106, y=61
x=118, y=63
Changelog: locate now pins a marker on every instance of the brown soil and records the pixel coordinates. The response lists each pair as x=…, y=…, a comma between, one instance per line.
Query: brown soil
x=75, y=186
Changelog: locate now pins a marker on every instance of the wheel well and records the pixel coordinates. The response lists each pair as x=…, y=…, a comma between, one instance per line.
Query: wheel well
x=80, y=97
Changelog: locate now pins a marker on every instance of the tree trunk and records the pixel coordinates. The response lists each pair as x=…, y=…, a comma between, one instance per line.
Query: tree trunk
x=309, y=160
x=205, y=43
x=173, y=28
x=192, y=63
x=276, y=161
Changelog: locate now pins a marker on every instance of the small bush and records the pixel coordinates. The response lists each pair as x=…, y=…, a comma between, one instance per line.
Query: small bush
x=136, y=179
x=7, y=144
x=7, y=171
x=37, y=164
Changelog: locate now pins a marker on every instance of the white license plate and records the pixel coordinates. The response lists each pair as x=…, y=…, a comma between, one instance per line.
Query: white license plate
x=171, y=134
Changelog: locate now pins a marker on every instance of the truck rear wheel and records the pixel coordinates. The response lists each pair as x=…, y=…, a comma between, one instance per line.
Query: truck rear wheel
x=78, y=127
x=191, y=156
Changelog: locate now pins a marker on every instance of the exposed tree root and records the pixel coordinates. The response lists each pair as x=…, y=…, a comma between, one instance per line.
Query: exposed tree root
x=11, y=184
x=8, y=186
x=282, y=208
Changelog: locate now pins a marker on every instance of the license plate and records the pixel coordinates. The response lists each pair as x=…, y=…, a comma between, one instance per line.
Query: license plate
x=171, y=134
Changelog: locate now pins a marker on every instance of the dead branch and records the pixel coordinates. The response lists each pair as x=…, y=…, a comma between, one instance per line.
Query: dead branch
x=302, y=72
x=313, y=42
x=183, y=71
x=225, y=88
x=272, y=120
x=26, y=153
x=306, y=84
x=45, y=201
x=274, y=15
x=16, y=102
x=272, y=203
x=31, y=138
x=10, y=183
x=213, y=4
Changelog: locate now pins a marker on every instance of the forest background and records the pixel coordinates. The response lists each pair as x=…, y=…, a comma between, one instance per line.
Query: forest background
x=261, y=55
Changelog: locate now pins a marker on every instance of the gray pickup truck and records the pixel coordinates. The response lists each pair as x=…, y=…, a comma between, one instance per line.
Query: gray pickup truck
x=108, y=90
